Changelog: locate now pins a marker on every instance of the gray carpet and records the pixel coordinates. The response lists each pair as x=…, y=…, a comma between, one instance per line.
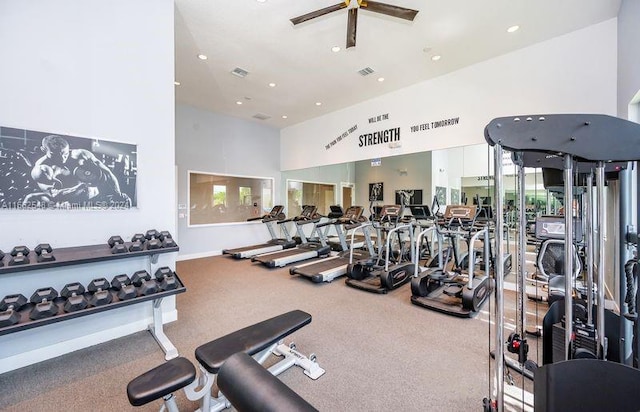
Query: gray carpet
x=380, y=351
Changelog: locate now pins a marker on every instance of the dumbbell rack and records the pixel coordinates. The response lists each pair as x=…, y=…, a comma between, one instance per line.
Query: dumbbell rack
x=91, y=254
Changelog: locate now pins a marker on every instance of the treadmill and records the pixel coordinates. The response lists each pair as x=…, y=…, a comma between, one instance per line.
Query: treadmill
x=306, y=250
x=328, y=269
x=275, y=216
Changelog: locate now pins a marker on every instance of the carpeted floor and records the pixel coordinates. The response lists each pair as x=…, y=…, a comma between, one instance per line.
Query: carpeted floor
x=380, y=352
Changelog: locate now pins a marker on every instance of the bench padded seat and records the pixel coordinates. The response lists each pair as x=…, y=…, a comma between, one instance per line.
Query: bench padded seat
x=251, y=339
x=252, y=388
x=161, y=381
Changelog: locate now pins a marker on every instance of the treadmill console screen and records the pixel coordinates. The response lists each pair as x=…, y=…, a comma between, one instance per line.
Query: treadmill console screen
x=389, y=211
x=308, y=211
x=460, y=212
x=420, y=211
x=276, y=211
x=353, y=213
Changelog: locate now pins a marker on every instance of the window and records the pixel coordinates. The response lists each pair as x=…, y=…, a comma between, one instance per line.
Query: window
x=219, y=195
x=245, y=196
x=217, y=198
x=321, y=195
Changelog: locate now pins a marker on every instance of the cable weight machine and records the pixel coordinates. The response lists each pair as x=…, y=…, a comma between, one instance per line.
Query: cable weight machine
x=571, y=384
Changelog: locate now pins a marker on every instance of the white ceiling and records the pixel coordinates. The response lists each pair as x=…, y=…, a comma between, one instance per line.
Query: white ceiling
x=259, y=38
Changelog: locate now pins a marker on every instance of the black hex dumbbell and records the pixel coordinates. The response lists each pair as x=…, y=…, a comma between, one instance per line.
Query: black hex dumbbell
x=44, y=251
x=152, y=234
x=19, y=256
x=153, y=239
x=137, y=242
x=116, y=243
x=9, y=307
x=99, y=290
x=166, y=239
x=74, y=292
x=142, y=280
x=44, y=305
x=164, y=235
x=123, y=285
x=166, y=279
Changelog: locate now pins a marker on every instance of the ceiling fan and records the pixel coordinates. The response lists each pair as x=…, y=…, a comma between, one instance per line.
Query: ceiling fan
x=352, y=21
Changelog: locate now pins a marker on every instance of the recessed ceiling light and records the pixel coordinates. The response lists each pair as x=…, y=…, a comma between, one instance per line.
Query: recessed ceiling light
x=512, y=29
x=176, y=83
x=238, y=102
x=284, y=116
x=380, y=79
x=262, y=1
x=335, y=49
x=202, y=57
x=436, y=57
x=272, y=85
x=318, y=103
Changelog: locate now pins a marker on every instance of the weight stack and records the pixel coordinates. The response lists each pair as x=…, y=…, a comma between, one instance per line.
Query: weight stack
x=585, y=338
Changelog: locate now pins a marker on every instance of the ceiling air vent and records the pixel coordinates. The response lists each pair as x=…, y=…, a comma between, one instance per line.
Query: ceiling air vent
x=239, y=72
x=261, y=116
x=366, y=71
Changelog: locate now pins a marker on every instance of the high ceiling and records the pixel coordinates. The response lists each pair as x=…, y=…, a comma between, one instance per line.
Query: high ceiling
x=258, y=37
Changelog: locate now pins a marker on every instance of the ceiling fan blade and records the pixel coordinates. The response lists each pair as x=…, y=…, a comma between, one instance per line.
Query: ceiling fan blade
x=352, y=24
x=389, y=10
x=318, y=13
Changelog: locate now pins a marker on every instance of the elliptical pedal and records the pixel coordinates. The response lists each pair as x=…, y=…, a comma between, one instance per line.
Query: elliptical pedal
x=453, y=290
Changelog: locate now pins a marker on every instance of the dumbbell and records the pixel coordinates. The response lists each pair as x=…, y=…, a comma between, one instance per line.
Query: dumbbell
x=152, y=234
x=153, y=239
x=1, y=257
x=142, y=280
x=9, y=307
x=99, y=290
x=164, y=235
x=123, y=285
x=167, y=281
x=137, y=242
x=116, y=243
x=19, y=256
x=74, y=292
x=44, y=252
x=44, y=305
x=166, y=239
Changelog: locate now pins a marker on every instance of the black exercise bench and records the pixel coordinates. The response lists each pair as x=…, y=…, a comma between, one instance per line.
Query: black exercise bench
x=259, y=340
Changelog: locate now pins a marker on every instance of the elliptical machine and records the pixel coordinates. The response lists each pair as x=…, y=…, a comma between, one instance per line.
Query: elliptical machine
x=451, y=291
x=380, y=276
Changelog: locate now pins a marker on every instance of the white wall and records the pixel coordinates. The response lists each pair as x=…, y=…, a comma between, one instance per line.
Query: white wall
x=88, y=68
x=215, y=143
x=628, y=56
x=555, y=76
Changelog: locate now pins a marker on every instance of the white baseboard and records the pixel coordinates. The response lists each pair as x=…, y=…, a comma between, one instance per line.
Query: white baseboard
x=199, y=255
x=31, y=357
